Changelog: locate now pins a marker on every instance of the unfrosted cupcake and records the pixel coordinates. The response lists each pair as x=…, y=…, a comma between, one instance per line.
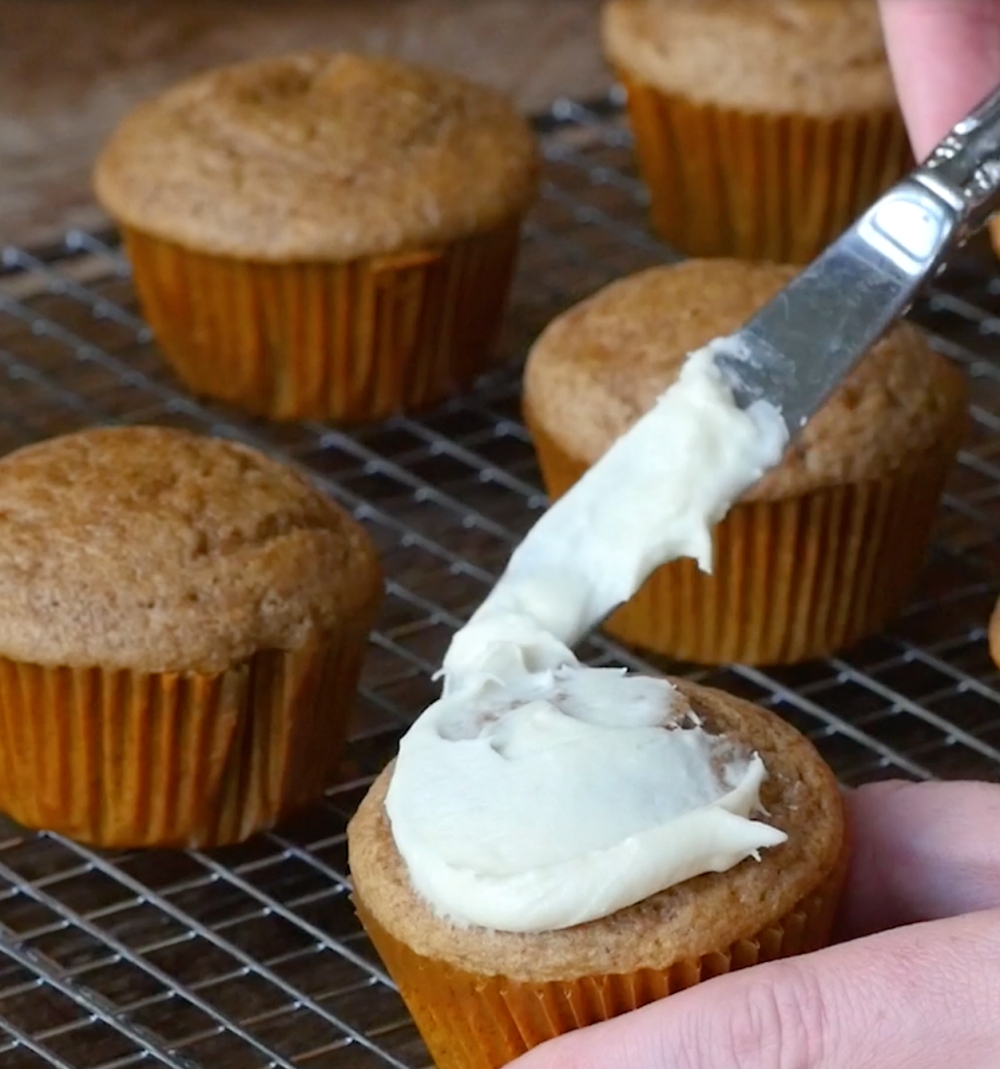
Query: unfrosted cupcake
x=322, y=235
x=183, y=629
x=825, y=549
x=482, y=996
x=763, y=127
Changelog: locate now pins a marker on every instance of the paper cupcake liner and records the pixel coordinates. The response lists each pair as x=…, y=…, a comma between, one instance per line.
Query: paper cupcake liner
x=793, y=579
x=123, y=759
x=760, y=187
x=472, y=1021
x=352, y=341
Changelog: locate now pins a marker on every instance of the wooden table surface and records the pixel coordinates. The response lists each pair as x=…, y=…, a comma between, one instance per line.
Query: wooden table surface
x=70, y=68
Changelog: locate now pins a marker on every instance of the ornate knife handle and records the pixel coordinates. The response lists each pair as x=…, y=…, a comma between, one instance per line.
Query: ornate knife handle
x=964, y=169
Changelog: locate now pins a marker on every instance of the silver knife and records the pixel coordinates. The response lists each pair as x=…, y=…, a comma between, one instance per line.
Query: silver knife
x=798, y=347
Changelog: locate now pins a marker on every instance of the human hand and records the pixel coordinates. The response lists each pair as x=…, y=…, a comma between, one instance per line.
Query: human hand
x=945, y=56
x=916, y=987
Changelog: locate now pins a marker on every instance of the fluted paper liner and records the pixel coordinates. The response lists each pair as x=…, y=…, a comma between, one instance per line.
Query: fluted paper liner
x=343, y=341
x=123, y=759
x=724, y=182
x=472, y=1021
x=793, y=578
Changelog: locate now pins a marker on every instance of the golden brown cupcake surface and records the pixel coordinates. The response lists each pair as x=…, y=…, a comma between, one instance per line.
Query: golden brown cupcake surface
x=687, y=921
x=598, y=367
x=319, y=156
x=812, y=57
x=157, y=550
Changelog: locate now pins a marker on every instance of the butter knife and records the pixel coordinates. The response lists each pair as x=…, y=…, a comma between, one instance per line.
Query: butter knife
x=797, y=348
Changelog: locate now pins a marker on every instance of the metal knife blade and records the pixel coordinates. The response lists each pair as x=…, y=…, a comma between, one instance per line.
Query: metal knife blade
x=796, y=349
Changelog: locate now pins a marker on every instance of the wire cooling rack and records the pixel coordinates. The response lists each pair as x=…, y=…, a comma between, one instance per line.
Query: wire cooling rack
x=250, y=957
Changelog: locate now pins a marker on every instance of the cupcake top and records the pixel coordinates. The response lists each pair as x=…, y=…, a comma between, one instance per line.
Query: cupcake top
x=691, y=918
x=318, y=156
x=600, y=366
x=154, y=550
x=562, y=795
x=812, y=57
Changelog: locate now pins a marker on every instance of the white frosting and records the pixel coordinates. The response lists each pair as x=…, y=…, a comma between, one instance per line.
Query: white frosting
x=538, y=793
x=565, y=795
x=654, y=496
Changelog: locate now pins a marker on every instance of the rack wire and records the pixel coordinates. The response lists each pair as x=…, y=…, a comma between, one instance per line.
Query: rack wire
x=250, y=957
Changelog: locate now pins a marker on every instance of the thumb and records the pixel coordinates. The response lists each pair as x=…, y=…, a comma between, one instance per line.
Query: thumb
x=923, y=997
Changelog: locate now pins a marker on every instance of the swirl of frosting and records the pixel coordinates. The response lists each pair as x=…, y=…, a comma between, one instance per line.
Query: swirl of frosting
x=539, y=793
x=565, y=796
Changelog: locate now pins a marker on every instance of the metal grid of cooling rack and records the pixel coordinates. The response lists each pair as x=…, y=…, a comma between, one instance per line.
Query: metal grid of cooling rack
x=251, y=957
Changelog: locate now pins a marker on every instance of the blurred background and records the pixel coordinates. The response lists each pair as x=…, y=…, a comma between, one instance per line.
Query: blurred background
x=69, y=70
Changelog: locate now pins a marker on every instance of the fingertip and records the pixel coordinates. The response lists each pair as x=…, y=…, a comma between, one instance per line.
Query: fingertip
x=562, y=1052
x=646, y=1038
x=870, y=796
x=945, y=56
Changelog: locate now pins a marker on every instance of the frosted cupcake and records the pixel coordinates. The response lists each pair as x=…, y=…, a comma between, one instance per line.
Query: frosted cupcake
x=556, y=843
x=528, y=871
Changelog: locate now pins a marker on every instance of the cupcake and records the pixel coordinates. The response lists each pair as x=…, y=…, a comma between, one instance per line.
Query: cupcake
x=183, y=629
x=763, y=127
x=825, y=549
x=322, y=235
x=480, y=995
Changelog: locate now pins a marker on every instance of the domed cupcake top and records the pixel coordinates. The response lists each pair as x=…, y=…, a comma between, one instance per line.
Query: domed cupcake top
x=157, y=550
x=318, y=156
x=810, y=57
x=597, y=368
